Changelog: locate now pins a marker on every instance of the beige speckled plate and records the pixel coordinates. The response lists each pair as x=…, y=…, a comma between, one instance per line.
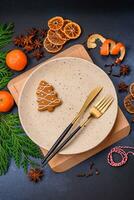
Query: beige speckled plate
x=73, y=79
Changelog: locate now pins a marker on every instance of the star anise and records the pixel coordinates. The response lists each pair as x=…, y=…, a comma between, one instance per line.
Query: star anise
x=122, y=87
x=28, y=48
x=124, y=70
x=43, y=32
x=28, y=39
x=33, y=31
x=37, y=44
x=19, y=41
x=35, y=175
x=38, y=54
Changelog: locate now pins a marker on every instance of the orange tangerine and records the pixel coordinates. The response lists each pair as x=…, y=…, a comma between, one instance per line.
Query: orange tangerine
x=16, y=59
x=6, y=101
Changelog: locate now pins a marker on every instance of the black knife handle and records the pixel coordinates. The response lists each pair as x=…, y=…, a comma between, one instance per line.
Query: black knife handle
x=62, y=145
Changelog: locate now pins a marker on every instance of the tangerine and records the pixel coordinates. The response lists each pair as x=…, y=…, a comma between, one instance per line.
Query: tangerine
x=6, y=101
x=16, y=60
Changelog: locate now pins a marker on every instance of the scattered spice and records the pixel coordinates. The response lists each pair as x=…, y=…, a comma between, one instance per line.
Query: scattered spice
x=31, y=41
x=110, y=68
x=35, y=175
x=122, y=87
x=97, y=172
x=28, y=48
x=28, y=40
x=81, y=174
x=33, y=32
x=43, y=32
x=90, y=171
x=124, y=70
x=38, y=54
x=116, y=75
x=37, y=44
x=19, y=41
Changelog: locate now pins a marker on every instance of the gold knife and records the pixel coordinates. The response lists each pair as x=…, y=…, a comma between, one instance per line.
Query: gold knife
x=86, y=104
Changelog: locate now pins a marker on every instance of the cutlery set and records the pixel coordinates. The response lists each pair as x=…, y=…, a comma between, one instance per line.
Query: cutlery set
x=95, y=111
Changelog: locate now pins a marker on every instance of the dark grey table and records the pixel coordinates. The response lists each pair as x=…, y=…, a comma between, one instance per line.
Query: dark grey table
x=114, y=20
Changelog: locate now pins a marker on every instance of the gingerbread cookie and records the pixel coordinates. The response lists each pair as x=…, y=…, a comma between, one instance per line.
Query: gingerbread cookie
x=47, y=98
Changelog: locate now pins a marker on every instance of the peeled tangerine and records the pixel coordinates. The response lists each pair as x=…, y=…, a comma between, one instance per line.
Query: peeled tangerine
x=107, y=47
x=111, y=47
x=119, y=48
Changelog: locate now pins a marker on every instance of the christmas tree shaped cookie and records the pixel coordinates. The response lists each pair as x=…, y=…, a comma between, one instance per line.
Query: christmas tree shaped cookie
x=47, y=97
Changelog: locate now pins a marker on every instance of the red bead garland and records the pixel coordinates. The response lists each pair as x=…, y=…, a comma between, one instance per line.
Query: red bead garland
x=124, y=155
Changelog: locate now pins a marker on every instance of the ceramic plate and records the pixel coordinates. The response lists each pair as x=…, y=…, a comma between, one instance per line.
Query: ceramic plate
x=73, y=79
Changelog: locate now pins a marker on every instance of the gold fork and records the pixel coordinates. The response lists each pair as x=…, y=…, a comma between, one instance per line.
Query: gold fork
x=99, y=109
x=96, y=111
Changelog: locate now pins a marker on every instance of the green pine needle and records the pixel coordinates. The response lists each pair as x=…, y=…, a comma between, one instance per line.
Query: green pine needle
x=15, y=144
x=6, y=32
x=5, y=75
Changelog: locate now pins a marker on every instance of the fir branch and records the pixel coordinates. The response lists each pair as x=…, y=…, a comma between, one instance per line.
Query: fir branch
x=5, y=73
x=15, y=144
x=6, y=32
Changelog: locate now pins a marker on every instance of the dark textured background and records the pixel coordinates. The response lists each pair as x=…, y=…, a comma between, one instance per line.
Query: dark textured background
x=114, y=19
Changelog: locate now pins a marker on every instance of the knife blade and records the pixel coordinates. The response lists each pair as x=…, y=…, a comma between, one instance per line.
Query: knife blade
x=87, y=102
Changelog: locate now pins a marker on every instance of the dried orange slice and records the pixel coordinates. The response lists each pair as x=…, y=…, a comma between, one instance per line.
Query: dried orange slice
x=72, y=30
x=131, y=89
x=129, y=103
x=62, y=35
x=51, y=48
x=66, y=21
x=55, y=23
x=54, y=38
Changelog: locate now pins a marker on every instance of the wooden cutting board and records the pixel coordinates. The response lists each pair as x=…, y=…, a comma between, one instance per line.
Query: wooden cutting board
x=61, y=163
